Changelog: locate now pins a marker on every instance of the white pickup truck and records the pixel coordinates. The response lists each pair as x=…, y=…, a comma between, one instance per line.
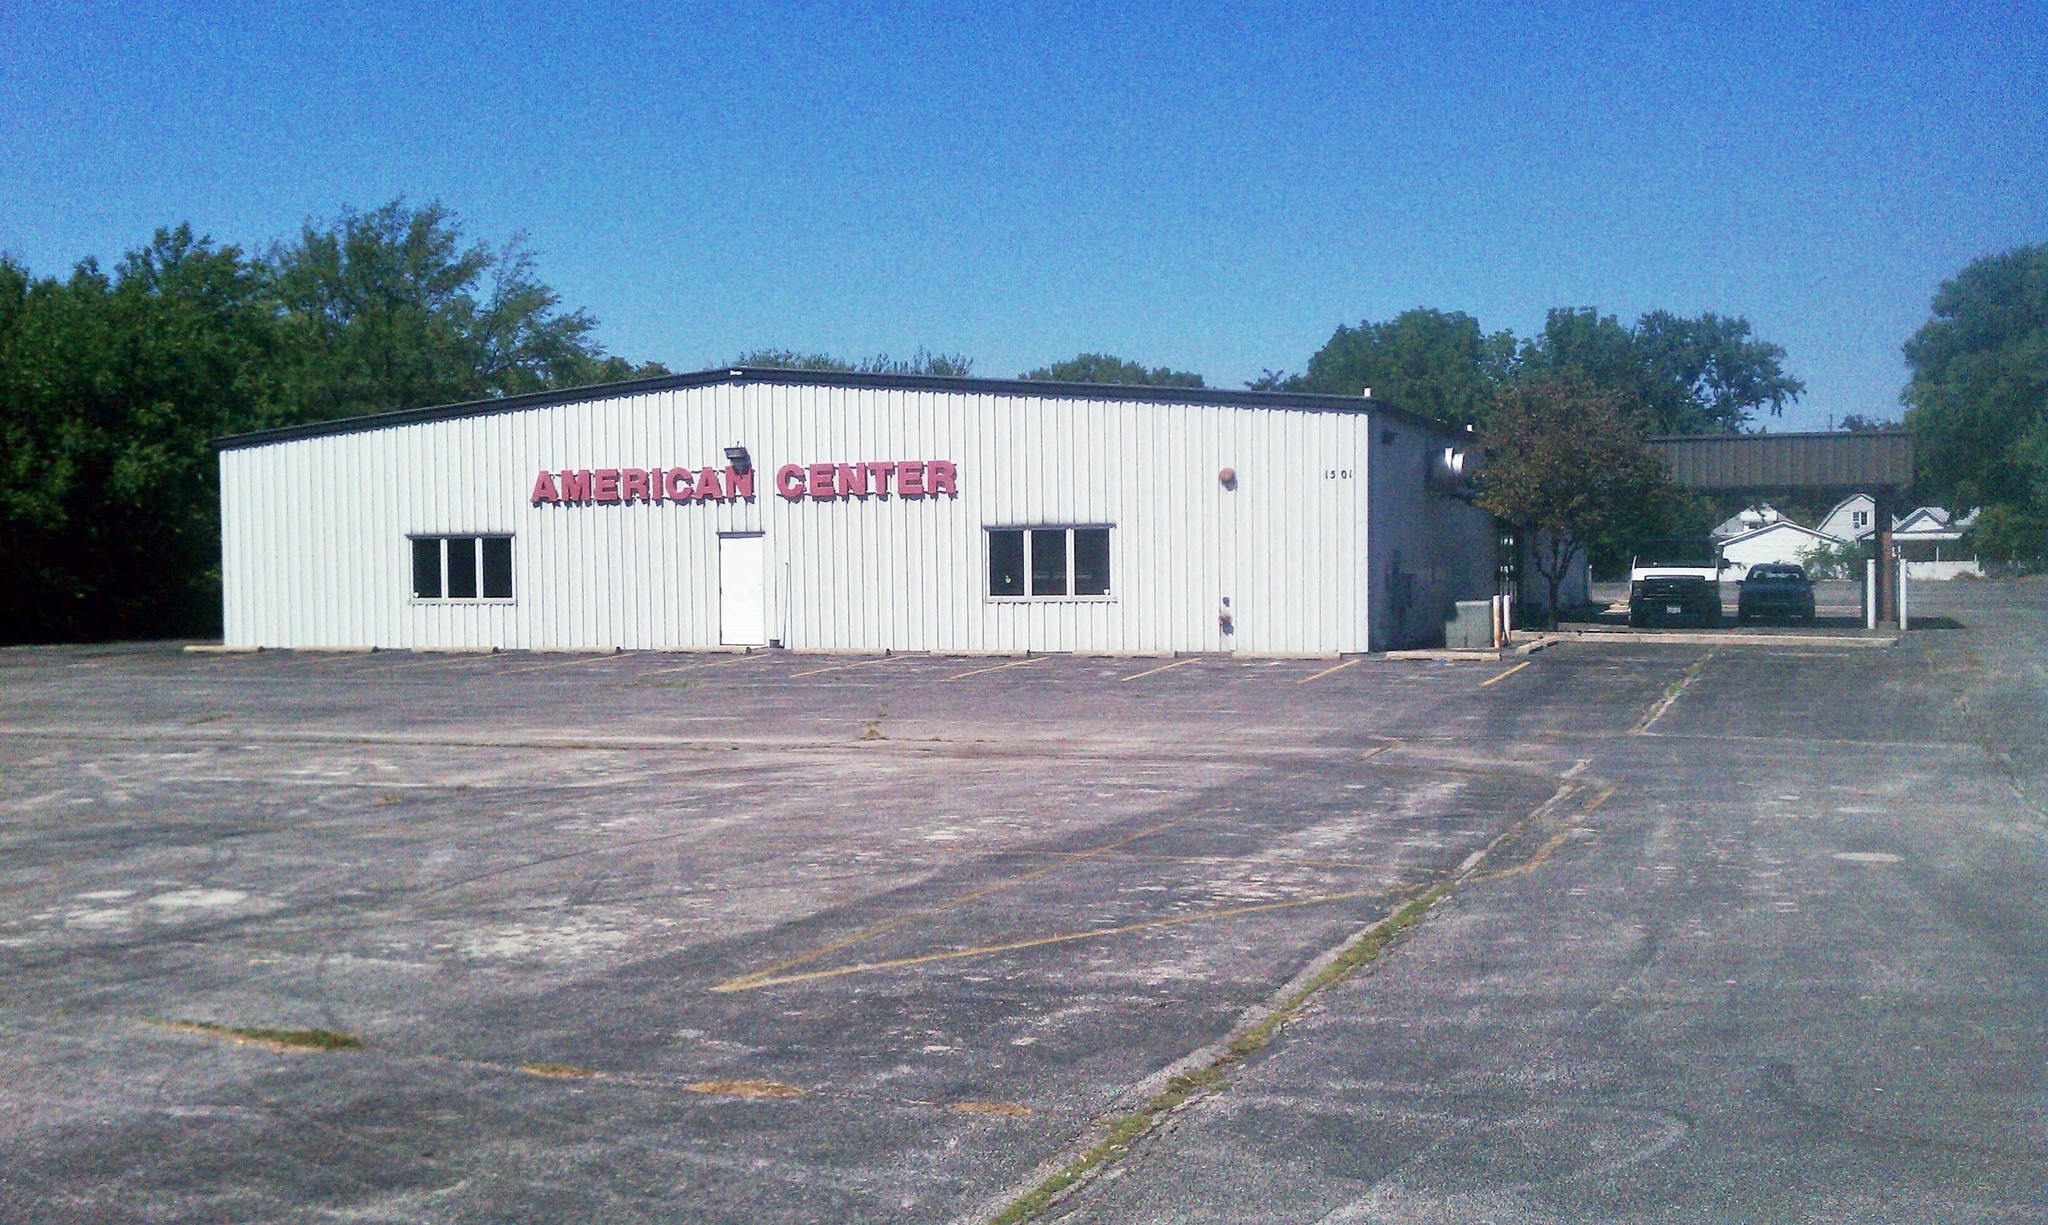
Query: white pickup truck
x=1676, y=582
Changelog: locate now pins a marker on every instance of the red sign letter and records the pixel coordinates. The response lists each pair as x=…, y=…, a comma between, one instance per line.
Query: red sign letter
x=789, y=481
x=739, y=484
x=632, y=484
x=910, y=478
x=882, y=471
x=821, y=478
x=681, y=485
x=576, y=486
x=544, y=488
x=604, y=486
x=941, y=477
x=708, y=488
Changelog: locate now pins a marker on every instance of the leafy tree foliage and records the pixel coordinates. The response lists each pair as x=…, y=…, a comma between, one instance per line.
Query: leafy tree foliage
x=1977, y=401
x=1857, y=423
x=923, y=361
x=1104, y=368
x=1678, y=375
x=1681, y=376
x=1567, y=466
x=1437, y=363
x=113, y=385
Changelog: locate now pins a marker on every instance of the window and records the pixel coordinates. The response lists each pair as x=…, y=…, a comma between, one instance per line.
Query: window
x=1048, y=563
x=461, y=567
x=1859, y=518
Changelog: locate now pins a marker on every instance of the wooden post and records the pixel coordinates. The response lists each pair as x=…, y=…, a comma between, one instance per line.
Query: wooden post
x=1887, y=576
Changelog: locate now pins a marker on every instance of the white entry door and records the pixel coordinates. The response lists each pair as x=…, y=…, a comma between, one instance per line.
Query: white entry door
x=743, y=590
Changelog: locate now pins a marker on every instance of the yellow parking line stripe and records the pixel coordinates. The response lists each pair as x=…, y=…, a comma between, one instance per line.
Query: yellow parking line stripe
x=1494, y=680
x=1015, y=663
x=769, y=979
x=1326, y=671
x=858, y=663
x=748, y=980
x=707, y=663
x=561, y=663
x=1178, y=663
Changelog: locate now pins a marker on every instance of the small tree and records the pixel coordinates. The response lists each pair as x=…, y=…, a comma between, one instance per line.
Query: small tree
x=1840, y=560
x=1565, y=463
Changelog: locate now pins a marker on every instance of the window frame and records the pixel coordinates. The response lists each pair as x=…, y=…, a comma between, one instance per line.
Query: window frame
x=1108, y=596
x=446, y=540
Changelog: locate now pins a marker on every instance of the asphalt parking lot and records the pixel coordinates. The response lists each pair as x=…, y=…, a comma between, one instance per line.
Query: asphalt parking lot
x=792, y=937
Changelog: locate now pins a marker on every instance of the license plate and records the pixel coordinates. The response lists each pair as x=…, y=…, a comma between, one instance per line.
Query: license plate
x=1674, y=609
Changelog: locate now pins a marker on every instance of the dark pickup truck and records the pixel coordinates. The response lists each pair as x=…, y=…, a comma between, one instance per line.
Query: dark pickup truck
x=1775, y=589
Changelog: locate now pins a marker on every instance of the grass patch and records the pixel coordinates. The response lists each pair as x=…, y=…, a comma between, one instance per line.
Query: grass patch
x=1126, y=1130
x=557, y=1071
x=745, y=1088
x=872, y=729
x=273, y=1039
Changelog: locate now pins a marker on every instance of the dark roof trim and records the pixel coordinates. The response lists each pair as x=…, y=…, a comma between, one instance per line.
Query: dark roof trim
x=830, y=378
x=1852, y=460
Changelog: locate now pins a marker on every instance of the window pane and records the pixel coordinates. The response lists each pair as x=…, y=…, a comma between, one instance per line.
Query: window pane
x=1091, y=561
x=462, y=567
x=426, y=568
x=1049, y=561
x=1005, y=563
x=497, y=567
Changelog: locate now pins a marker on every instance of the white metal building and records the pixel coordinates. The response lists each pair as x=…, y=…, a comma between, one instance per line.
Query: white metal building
x=829, y=511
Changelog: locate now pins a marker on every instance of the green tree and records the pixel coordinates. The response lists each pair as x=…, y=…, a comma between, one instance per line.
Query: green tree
x=1857, y=423
x=1566, y=466
x=394, y=308
x=1104, y=368
x=1436, y=363
x=1977, y=399
x=113, y=385
x=111, y=388
x=1682, y=376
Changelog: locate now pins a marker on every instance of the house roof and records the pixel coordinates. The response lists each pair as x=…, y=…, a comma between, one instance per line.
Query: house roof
x=837, y=378
x=1782, y=525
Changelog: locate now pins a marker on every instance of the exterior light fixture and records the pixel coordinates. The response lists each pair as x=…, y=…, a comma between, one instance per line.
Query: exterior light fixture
x=737, y=456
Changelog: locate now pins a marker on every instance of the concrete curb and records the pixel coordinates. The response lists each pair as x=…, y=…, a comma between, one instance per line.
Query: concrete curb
x=1730, y=638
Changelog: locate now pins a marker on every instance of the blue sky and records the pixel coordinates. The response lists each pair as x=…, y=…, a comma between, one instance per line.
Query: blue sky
x=1213, y=189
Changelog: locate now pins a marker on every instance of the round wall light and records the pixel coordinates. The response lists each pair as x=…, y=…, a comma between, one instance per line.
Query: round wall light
x=1229, y=478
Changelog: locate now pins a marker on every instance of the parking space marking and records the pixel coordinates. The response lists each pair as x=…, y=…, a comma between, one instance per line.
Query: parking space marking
x=592, y=658
x=702, y=663
x=1349, y=663
x=1015, y=663
x=1178, y=663
x=1671, y=694
x=1555, y=841
x=1495, y=680
x=858, y=663
x=371, y=667
x=769, y=978
x=748, y=980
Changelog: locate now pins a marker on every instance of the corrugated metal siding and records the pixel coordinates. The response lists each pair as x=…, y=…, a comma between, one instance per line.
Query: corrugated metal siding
x=314, y=530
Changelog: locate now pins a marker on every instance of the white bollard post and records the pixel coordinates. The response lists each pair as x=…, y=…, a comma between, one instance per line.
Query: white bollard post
x=1870, y=594
x=1902, y=593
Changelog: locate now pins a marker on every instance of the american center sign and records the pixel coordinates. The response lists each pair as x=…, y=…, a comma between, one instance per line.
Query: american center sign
x=911, y=478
